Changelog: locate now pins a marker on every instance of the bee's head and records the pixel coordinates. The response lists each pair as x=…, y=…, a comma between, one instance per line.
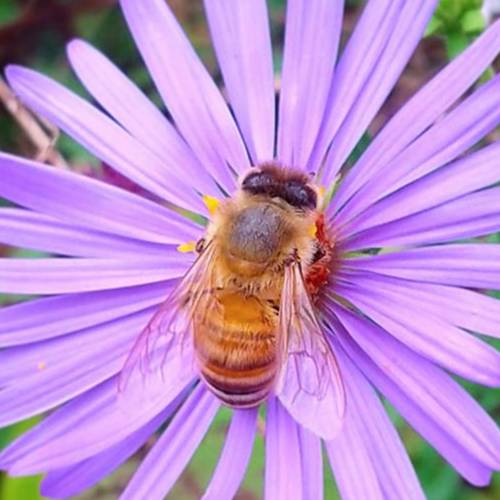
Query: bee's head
x=291, y=186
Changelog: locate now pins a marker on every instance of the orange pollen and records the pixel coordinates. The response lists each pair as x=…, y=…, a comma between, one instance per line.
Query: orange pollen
x=318, y=273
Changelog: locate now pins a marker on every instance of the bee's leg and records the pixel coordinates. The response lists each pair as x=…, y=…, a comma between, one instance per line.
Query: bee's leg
x=274, y=306
x=200, y=245
x=318, y=254
x=293, y=258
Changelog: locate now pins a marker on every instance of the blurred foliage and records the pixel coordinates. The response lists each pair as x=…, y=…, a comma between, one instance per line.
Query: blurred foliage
x=9, y=11
x=18, y=488
x=459, y=22
x=50, y=24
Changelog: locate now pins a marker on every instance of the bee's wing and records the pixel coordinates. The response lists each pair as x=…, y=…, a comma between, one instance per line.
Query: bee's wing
x=171, y=325
x=310, y=384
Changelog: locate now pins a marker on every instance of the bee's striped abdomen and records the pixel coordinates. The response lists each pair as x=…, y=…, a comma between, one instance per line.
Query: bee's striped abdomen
x=236, y=349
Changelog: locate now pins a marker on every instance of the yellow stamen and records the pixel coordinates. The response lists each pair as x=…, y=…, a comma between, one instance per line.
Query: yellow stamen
x=41, y=365
x=190, y=246
x=211, y=203
x=313, y=230
x=321, y=195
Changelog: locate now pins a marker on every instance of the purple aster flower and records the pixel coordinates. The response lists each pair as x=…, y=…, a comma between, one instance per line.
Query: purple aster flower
x=400, y=320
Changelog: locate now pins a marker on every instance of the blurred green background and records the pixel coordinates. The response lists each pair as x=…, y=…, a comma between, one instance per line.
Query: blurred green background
x=34, y=33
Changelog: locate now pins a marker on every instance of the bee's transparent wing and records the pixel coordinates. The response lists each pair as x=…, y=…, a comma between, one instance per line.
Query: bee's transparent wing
x=310, y=384
x=171, y=325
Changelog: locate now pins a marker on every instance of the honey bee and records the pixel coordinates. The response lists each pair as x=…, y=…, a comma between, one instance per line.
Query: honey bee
x=248, y=301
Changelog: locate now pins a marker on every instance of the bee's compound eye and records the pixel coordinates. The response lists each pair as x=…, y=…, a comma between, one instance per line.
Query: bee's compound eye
x=258, y=182
x=300, y=195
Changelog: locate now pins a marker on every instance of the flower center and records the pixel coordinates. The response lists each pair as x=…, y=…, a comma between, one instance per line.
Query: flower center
x=319, y=271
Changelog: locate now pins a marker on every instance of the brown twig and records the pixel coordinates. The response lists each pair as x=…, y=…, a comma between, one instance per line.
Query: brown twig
x=41, y=134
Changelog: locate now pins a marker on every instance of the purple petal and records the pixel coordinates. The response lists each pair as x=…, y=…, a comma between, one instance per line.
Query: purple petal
x=51, y=317
x=50, y=276
x=85, y=202
x=26, y=229
x=235, y=456
x=72, y=480
x=311, y=41
x=283, y=477
x=39, y=358
x=436, y=393
x=350, y=462
x=242, y=42
x=99, y=419
x=459, y=178
x=422, y=110
x=311, y=458
x=102, y=136
x=457, y=306
x=73, y=366
x=123, y=100
x=367, y=418
x=170, y=455
x=356, y=63
x=76, y=412
x=399, y=42
x=470, y=216
x=458, y=456
x=451, y=136
x=427, y=334
x=467, y=265
x=187, y=89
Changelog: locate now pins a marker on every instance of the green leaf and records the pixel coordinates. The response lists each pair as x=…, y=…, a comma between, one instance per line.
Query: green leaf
x=473, y=22
x=458, y=21
x=487, y=75
x=18, y=488
x=359, y=149
x=8, y=434
x=494, y=238
x=456, y=43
